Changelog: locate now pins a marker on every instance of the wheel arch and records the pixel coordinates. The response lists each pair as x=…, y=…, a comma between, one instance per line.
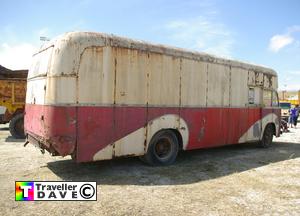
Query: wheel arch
x=142, y=137
x=270, y=119
x=179, y=137
x=272, y=125
x=170, y=122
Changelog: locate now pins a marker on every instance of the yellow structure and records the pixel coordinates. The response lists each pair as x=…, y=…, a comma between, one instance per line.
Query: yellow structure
x=12, y=95
x=12, y=100
x=292, y=97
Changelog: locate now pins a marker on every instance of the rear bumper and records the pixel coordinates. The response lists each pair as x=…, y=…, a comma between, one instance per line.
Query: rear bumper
x=57, y=146
x=51, y=128
x=40, y=143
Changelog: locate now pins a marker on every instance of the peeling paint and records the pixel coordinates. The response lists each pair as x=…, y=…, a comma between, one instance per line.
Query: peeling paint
x=123, y=77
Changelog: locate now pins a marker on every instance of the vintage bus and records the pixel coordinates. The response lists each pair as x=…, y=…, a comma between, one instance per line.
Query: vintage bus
x=96, y=96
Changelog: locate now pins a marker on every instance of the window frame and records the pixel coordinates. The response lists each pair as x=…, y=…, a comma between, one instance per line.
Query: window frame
x=277, y=99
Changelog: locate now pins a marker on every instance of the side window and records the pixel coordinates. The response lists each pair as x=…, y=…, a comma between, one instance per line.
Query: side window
x=254, y=96
x=267, y=98
x=275, y=99
x=251, y=95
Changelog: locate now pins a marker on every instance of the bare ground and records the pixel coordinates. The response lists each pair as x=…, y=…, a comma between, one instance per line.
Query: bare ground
x=232, y=180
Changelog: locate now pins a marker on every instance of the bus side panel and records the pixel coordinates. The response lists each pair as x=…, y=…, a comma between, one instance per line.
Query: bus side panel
x=244, y=124
x=209, y=127
x=131, y=78
x=96, y=79
x=267, y=117
x=253, y=115
x=101, y=126
x=196, y=119
x=193, y=83
x=95, y=86
x=218, y=80
x=238, y=88
x=214, y=135
x=106, y=127
x=94, y=130
x=233, y=125
x=164, y=81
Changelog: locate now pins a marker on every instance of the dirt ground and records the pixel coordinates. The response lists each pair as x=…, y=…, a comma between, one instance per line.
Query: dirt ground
x=232, y=180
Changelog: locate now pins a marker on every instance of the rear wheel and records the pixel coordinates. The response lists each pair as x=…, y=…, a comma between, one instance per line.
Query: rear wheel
x=16, y=126
x=162, y=149
x=267, y=138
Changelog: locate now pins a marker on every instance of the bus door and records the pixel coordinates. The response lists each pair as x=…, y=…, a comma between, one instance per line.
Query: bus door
x=254, y=113
x=276, y=110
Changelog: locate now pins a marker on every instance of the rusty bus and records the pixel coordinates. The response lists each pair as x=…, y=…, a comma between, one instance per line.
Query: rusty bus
x=96, y=96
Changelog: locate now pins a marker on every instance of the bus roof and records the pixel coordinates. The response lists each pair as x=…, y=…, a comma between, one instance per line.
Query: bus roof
x=88, y=39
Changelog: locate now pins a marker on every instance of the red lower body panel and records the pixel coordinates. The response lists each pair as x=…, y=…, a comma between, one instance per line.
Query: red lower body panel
x=88, y=129
x=54, y=127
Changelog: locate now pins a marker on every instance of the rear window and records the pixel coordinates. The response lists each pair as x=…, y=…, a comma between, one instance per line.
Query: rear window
x=40, y=63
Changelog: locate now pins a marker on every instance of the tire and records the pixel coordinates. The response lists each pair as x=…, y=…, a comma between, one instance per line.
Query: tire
x=162, y=150
x=267, y=138
x=16, y=126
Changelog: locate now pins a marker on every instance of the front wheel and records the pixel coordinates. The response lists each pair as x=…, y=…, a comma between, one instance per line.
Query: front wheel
x=267, y=138
x=16, y=126
x=162, y=149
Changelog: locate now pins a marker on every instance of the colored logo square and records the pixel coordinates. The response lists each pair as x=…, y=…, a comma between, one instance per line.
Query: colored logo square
x=24, y=191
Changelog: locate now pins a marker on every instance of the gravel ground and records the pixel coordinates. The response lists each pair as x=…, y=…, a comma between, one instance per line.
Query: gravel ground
x=232, y=180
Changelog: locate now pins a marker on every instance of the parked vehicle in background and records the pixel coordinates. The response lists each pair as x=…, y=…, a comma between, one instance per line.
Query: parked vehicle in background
x=285, y=107
x=96, y=96
x=292, y=97
x=12, y=100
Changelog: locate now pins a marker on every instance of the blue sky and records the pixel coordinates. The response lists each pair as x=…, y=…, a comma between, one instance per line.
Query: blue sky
x=263, y=32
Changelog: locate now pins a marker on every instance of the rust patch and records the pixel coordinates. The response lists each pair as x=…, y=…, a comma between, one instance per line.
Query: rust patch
x=115, y=80
x=145, y=140
x=201, y=133
x=64, y=145
x=202, y=130
x=114, y=107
